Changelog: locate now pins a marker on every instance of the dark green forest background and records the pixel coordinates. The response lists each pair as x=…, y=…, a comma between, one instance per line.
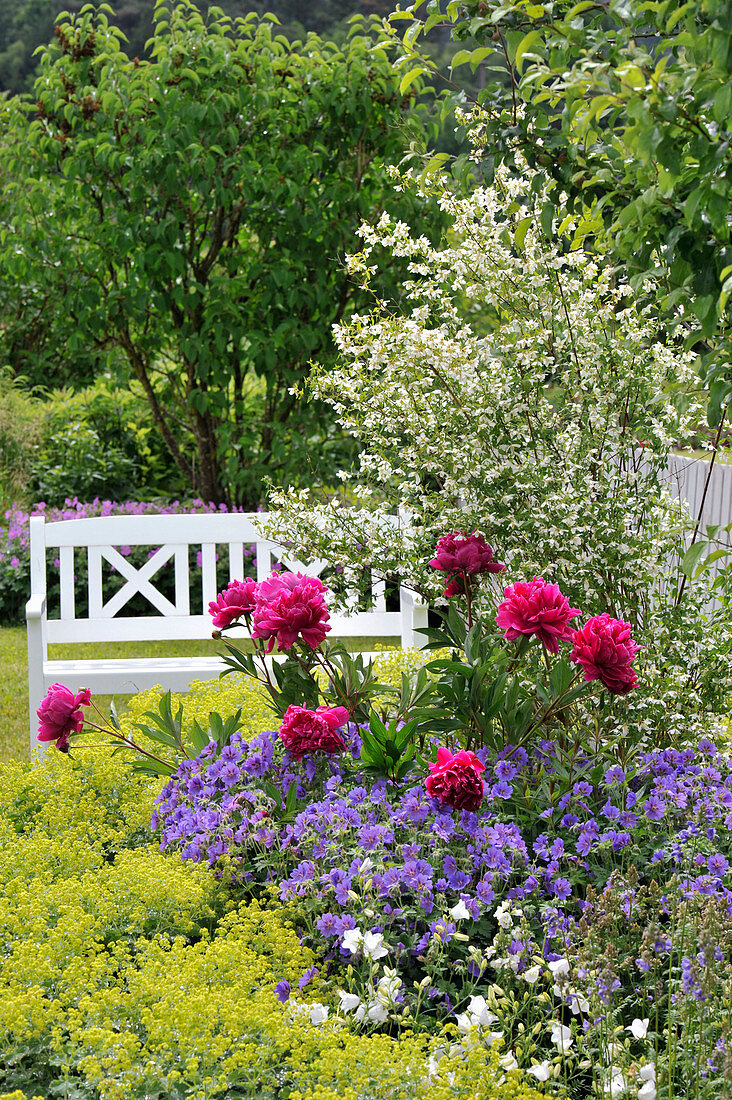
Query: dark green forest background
x=27, y=24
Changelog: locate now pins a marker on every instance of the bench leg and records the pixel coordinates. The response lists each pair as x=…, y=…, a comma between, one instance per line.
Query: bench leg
x=36, y=685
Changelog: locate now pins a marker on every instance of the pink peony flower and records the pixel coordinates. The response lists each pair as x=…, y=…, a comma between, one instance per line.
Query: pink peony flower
x=605, y=650
x=455, y=780
x=535, y=607
x=236, y=600
x=305, y=730
x=462, y=556
x=59, y=714
x=289, y=606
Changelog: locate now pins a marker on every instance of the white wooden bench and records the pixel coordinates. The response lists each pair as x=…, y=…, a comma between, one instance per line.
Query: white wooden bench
x=168, y=537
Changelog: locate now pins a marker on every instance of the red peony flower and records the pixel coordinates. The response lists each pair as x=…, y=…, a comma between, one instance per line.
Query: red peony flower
x=304, y=731
x=605, y=650
x=462, y=556
x=455, y=780
x=59, y=714
x=236, y=600
x=290, y=606
x=535, y=607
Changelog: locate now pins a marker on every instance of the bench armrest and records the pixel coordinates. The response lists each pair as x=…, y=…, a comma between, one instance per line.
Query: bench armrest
x=35, y=607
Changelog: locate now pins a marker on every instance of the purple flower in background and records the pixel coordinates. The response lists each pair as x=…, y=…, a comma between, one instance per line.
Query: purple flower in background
x=561, y=888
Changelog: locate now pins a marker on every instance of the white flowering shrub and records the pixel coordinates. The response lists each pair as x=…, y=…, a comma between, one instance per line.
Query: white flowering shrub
x=522, y=394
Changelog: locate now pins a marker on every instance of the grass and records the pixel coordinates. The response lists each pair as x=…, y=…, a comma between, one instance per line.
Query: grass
x=14, y=726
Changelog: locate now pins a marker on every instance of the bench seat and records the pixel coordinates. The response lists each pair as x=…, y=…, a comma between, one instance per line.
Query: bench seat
x=128, y=675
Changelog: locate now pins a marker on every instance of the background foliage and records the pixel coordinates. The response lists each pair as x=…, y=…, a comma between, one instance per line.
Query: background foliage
x=27, y=24
x=188, y=217
x=624, y=111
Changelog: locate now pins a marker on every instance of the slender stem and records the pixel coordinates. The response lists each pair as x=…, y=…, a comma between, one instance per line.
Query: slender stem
x=102, y=716
x=468, y=597
x=330, y=672
x=259, y=652
x=119, y=739
x=542, y=717
x=103, y=729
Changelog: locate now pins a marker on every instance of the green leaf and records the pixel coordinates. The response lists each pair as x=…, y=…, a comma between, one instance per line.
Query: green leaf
x=462, y=57
x=520, y=232
x=199, y=738
x=530, y=40
x=409, y=79
x=157, y=735
x=476, y=56
x=546, y=218
x=678, y=15
x=291, y=798
x=720, y=393
x=152, y=767
x=691, y=558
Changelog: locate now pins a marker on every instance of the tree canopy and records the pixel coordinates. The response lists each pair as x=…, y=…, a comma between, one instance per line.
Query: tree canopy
x=190, y=215
x=27, y=24
x=625, y=109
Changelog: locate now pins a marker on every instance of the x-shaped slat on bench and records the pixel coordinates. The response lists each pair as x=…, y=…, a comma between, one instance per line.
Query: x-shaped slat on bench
x=137, y=580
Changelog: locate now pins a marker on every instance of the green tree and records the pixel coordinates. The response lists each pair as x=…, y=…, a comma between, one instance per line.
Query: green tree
x=190, y=215
x=625, y=109
x=27, y=24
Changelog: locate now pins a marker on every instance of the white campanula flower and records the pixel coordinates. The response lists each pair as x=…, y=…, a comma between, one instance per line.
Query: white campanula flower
x=559, y=967
x=532, y=974
x=372, y=943
x=561, y=1036
x=352, y=940
x=460, y=911
x=503, y=916
x=647, y=1075
x=507, y=1061
x=349, y=1001
x=639, y=1028
x=374, y=946
x=477, y=1014
x=541, y=1070
x=616, y=1085
x=577, y=1002
x=377, y=1012
x=318, y=1013
x=389, y=987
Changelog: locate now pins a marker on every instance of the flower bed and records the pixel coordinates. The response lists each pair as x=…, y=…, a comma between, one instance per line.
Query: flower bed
x=474, y=870
x=130, y=973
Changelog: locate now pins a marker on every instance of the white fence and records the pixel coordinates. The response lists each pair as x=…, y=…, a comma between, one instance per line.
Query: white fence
x=688, y=481
x=687, y=478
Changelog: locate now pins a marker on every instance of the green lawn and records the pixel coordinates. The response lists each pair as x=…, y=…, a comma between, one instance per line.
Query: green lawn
x=14, y=726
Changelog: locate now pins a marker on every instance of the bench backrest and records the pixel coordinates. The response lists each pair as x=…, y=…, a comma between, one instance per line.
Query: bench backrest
x=170, y=539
